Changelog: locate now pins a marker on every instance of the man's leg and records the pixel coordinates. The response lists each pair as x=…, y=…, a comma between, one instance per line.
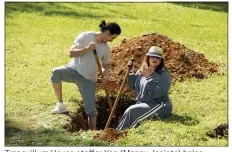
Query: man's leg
x=88, y=95
x=59, y=74
x=87, y=89
x=58, y=91
x=92, y=122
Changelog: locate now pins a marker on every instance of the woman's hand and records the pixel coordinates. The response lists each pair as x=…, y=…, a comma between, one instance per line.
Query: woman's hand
x=146, y=72
x=131, y=66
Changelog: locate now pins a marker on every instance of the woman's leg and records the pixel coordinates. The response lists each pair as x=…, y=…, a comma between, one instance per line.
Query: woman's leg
x=137, y=113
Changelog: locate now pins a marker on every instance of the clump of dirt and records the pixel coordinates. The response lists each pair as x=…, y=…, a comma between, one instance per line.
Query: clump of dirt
x=219, y=132
x=78, y=121
x=109, y=135
x=181, y=62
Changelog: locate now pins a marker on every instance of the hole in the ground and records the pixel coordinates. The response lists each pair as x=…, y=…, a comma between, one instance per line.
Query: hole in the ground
x=78, y=120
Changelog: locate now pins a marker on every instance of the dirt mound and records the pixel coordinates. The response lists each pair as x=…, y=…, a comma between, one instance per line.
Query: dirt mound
x=181, y=62
x=109, y=135
x=219, y=132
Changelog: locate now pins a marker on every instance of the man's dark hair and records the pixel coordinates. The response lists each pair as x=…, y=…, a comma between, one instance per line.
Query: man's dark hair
x=112, y=27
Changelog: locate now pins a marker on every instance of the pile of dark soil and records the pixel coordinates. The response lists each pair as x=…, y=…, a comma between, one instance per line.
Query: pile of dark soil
x=181, y=62
x=109, y=135
x=219, y=132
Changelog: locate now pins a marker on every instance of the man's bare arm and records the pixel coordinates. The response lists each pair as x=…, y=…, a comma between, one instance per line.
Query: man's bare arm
x=75, y=52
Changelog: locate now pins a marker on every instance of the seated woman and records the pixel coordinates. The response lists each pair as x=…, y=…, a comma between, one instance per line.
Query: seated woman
x=151, y=84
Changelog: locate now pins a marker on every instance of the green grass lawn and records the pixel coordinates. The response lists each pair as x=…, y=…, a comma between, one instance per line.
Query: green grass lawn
x=38, y=37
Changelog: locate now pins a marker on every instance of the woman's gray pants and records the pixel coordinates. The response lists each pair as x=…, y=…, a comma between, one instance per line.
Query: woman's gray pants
x=139, y=112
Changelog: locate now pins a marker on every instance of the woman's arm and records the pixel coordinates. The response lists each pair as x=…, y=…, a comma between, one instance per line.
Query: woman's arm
x=159, y=86
x=132, y=78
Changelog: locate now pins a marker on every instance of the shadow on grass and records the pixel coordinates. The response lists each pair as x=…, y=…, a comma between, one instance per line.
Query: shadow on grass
x=10, y=128
x=18, y=136
x=185, y=120
x=47, y=9
x=215, y=6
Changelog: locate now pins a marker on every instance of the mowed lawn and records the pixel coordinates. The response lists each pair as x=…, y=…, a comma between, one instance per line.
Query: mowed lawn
x=38, y=37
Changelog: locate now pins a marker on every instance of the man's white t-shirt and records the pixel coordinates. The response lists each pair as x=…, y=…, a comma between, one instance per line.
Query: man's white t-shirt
x=86, y=64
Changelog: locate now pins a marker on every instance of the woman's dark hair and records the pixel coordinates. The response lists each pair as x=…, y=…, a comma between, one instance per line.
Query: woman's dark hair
x=161, y=65
x=112, y=27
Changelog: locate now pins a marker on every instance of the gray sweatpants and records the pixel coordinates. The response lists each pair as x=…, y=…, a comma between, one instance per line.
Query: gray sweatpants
x=86, y=87
x=139, y=112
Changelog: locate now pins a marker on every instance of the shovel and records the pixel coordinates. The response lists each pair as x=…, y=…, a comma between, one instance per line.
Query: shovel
x=118, y=96
x=100, y=71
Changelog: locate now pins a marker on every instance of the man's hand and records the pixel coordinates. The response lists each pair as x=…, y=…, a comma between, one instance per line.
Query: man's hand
x=104, y=80
x=75, y=52
x=91, y=46
x=105, y=70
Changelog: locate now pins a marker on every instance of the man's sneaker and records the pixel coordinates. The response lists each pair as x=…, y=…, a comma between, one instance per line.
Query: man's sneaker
x=60, y=108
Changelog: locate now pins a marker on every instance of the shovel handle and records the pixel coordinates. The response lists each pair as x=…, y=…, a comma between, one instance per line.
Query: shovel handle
x=118, y=96
x=95, y=52
x=100, y=71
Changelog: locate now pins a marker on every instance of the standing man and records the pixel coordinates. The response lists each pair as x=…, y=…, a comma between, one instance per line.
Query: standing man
x=82, y=68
